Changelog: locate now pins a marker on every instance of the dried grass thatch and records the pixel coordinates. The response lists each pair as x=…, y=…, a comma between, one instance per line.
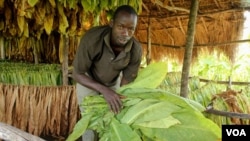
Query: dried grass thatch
x=41, y=111
x=218, y=24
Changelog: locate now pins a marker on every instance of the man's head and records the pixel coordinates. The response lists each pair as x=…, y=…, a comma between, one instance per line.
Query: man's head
x=123, y=25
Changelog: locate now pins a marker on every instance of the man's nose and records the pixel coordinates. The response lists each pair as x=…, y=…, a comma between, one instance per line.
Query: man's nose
x=125, y=31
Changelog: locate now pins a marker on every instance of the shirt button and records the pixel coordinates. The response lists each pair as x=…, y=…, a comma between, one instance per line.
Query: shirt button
x=111, y=58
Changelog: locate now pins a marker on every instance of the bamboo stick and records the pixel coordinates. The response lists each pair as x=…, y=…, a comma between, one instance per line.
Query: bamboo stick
x=65, y=60
x=180, y=24
x=189, y=48
x=148, y=55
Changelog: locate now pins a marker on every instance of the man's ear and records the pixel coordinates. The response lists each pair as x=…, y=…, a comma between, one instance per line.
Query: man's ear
x=111, y=23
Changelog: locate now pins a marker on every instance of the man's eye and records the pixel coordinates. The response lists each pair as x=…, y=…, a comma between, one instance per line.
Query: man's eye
x=131, y=29
x=120, y=26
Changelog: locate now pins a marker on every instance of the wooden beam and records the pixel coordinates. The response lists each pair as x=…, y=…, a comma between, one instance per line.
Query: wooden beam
x=211, y=110
x=10, y=133
x=223, y=43
x=225, y=82
x=200, y=45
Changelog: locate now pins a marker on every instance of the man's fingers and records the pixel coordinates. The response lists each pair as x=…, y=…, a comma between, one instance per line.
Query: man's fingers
x=114, y=101
x=116, y=106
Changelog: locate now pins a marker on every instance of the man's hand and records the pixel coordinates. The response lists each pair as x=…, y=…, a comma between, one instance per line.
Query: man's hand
x=113, y=99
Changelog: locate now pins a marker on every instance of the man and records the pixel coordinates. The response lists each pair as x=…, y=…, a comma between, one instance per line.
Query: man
x=108, y=57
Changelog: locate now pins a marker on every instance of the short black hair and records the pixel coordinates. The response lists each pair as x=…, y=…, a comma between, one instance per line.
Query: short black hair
x=124, y=8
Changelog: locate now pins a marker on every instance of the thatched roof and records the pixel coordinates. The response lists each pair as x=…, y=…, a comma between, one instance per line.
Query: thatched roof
x=29, y=34
x=218, y=21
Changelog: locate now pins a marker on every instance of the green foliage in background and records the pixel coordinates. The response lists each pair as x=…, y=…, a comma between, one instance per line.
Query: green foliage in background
x=220, y=68
x=216, y=67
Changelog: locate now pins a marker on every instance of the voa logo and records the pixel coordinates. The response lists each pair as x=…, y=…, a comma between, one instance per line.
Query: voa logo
x=236, y=132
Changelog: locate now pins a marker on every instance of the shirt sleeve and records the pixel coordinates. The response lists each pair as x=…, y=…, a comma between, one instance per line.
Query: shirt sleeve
x=131, y=71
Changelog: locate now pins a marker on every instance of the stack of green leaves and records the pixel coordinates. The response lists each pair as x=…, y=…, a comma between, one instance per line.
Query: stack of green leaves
x=149, y=114
x=19, y=73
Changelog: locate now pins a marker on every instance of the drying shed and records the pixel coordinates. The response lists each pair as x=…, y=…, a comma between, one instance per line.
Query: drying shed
x=49, y=31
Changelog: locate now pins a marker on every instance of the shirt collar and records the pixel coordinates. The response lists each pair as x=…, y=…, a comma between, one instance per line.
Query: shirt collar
x=128, y=46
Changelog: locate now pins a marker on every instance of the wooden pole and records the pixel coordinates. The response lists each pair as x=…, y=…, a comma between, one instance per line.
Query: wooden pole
x=148, y=56
x=65, y=63
x=189, y=48
x=2, y=48
x=35, y=46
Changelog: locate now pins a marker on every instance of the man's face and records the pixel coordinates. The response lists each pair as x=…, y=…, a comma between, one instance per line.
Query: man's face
x=123, y=28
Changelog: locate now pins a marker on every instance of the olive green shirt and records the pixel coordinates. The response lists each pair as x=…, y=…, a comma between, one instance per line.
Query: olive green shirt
x=95, y=57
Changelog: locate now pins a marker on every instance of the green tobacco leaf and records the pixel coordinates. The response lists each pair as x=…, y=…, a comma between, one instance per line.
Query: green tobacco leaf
x=183, y=102
x=131, y=101
x=161, y=123
x=153, y=95
x=157, y=111
x=163, y=96
x=93, y=99
x=197, y=126
x=147, y=91
x=122, y=132
x=194, y=127
x=79, y=128
x=32, y=2
x=149, y=77
x=196, y=105
x=135, y=111
x=148, y=110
